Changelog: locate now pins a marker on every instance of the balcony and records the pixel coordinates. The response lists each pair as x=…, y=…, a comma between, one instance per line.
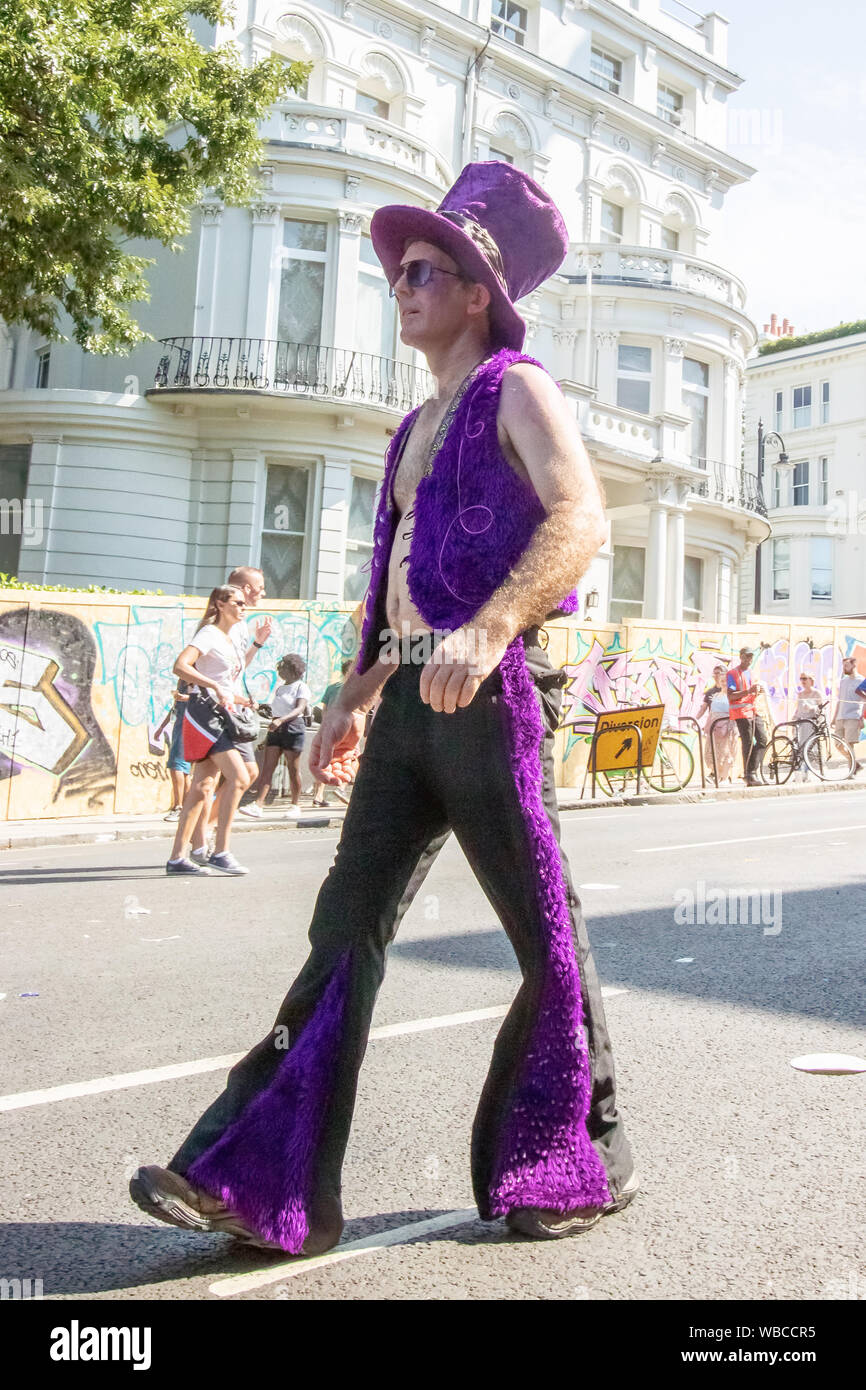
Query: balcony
x=730, y=485
x=664, y=270
x=356, y=133
x=267, y=366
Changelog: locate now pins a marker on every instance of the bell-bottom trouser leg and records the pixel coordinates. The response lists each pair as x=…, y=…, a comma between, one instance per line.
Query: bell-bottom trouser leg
x=272, y=1144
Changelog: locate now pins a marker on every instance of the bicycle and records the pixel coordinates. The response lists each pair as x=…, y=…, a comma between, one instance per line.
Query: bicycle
x=822, y=753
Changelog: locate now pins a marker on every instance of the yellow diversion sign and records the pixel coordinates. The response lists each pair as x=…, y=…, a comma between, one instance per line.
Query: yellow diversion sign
x=616, y=744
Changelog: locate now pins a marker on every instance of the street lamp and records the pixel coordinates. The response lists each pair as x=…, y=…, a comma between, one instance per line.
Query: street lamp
x=771, y=437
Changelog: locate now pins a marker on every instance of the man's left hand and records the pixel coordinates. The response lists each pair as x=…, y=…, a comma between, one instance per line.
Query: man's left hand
x=458, y=666
x=263, y=630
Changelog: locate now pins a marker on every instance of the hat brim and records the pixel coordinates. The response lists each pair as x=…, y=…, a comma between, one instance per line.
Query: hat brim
x=393, y=227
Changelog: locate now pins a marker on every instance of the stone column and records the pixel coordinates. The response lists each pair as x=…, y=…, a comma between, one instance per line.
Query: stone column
x=351, y=224
x=242, y=530
x=656, y=561
x=264, y=252
x=676, y=555
x=211, y=215
x=724, y=590
x=606, y=344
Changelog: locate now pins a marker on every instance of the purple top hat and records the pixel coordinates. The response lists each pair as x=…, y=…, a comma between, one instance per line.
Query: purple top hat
x=500, y=227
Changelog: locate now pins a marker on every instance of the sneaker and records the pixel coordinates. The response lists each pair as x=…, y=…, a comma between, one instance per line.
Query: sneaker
x=170, y=1198
x=226, y=863
x=174, y=814
x=540, y=1223
x=201, y=856
x=254, y=810
x=293, y=813
x=187, y=866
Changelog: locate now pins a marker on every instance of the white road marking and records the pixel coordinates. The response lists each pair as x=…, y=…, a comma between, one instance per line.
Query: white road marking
x=599, y=887
x=399, y=1235
x=752, y=839
x=125, y=1080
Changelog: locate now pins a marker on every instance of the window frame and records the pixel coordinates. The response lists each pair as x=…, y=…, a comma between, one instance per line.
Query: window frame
x=823, y=480
x=294, y=253
x=803, y=485
x=605, y=235
x=779, y=410
x=352, y=543
x=507, y=23
x=604, y=84
x=640, y=603
x=806, y=407
x=43, y=368
x=629, y=375
x=784, y=568
x=671, y=232
x=311, y=467
x=694, y=615
x=824, y=402
x=705, y=391
x=820, y=598
x=664, y=113
x=368, y=96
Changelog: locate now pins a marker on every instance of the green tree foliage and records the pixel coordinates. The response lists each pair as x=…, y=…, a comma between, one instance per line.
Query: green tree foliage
x=114, y=121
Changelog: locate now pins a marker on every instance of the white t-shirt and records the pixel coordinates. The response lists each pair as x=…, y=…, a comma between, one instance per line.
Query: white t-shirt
x=850, y=705
x=286, y=697
x=220, y=660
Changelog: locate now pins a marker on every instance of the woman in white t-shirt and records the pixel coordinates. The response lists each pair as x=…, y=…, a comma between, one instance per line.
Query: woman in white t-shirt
x=724, y=738
x=290, y=703
x=212, y=666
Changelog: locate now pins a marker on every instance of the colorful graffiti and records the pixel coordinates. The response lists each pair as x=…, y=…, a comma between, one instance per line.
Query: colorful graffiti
x=85, y=683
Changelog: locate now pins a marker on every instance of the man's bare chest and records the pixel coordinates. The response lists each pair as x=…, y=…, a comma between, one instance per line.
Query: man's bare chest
x=419, y=450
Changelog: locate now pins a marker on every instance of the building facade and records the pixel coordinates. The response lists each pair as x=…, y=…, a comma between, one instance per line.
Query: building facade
x=814, y=396
x=254, y=429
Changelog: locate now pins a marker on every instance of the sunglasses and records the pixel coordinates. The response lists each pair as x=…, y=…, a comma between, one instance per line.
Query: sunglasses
x=419, y=273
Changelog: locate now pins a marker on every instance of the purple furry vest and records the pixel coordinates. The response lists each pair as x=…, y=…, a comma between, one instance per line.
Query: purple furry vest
x=473, y=516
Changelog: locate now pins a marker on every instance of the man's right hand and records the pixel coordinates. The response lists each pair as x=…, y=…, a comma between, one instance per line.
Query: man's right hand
x=334, y=750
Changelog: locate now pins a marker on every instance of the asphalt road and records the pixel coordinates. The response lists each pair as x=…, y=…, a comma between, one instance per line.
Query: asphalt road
x=752, y=1172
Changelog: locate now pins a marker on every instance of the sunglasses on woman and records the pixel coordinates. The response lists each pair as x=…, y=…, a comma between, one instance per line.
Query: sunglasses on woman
x=419, y=273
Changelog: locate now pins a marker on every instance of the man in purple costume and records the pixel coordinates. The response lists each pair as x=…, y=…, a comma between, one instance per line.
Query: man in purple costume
x=489, y=514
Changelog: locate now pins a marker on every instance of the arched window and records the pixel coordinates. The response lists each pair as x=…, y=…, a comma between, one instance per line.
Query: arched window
x=380, y=88
x=299, y=41
x=619, y=213
x=678, y=223
x=511, y=141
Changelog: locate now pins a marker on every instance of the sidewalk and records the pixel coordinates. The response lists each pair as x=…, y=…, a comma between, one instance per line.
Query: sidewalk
x=98, y=830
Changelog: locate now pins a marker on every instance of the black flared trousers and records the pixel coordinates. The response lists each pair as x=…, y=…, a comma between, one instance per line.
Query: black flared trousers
x=422, y=775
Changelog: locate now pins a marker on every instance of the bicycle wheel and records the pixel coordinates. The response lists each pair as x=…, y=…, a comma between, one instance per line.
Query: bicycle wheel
x=829, y=758
x=779, y=762
x=672, y=766
x=616, y=783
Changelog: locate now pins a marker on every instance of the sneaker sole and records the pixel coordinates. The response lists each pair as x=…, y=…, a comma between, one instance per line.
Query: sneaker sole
x=232, y=873
x=174, y=1211
x=525, y=1224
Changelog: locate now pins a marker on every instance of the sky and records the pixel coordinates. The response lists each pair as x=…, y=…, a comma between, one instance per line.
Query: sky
x=796, y=233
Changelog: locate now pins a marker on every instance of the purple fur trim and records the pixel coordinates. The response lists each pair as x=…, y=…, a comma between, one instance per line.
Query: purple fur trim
x=263, y=1165
x=546, y=1158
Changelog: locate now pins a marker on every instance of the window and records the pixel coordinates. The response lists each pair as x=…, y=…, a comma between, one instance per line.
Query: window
x=801, y=484
x=376, y=317
x=605, y=71
x=500, y=154
x=821, y=548
x=802, y=407
x=823, y=482
x=14, y=477
x=509, y=21
x=372, y=106
x=693, y=588
x=779, y=410
x=302, y=282
x=825, y=402
x=696, y=395
x=611, y=222
x=627, y=581
x=634, y=378
x=670, y=105
x=359, y=541
x=779, y=489
x=670, y=239
x=43, y=365
x=781, y=569
x=284, y=529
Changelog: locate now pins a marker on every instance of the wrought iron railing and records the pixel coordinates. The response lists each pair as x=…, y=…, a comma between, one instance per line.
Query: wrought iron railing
x=291, y=369
x=725, y=483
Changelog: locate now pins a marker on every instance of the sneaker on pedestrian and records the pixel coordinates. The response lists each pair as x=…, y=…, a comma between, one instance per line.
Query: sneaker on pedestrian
x=226, y=863
x=201, y=855
x=187, y=866
x=254, y=810
x=293, y=813
x=539, y=1223
x=174, y=814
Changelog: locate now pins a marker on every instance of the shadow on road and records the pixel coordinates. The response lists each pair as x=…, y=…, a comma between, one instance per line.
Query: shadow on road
x=804, y=953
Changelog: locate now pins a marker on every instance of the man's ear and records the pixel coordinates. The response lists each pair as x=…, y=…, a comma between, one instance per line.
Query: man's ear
x=479, y=298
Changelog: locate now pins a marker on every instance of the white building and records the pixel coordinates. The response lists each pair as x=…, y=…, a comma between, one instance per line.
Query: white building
x=256, y=430
x=814, y=396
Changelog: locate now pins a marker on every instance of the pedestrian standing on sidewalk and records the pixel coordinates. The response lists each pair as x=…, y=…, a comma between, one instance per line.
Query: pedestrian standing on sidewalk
x=212, y=668
x=286, y=735
x=180, y=769
x=848, y=718
x=505, y=522
x=807, y=711
x=742, y=691
x=723, y=736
